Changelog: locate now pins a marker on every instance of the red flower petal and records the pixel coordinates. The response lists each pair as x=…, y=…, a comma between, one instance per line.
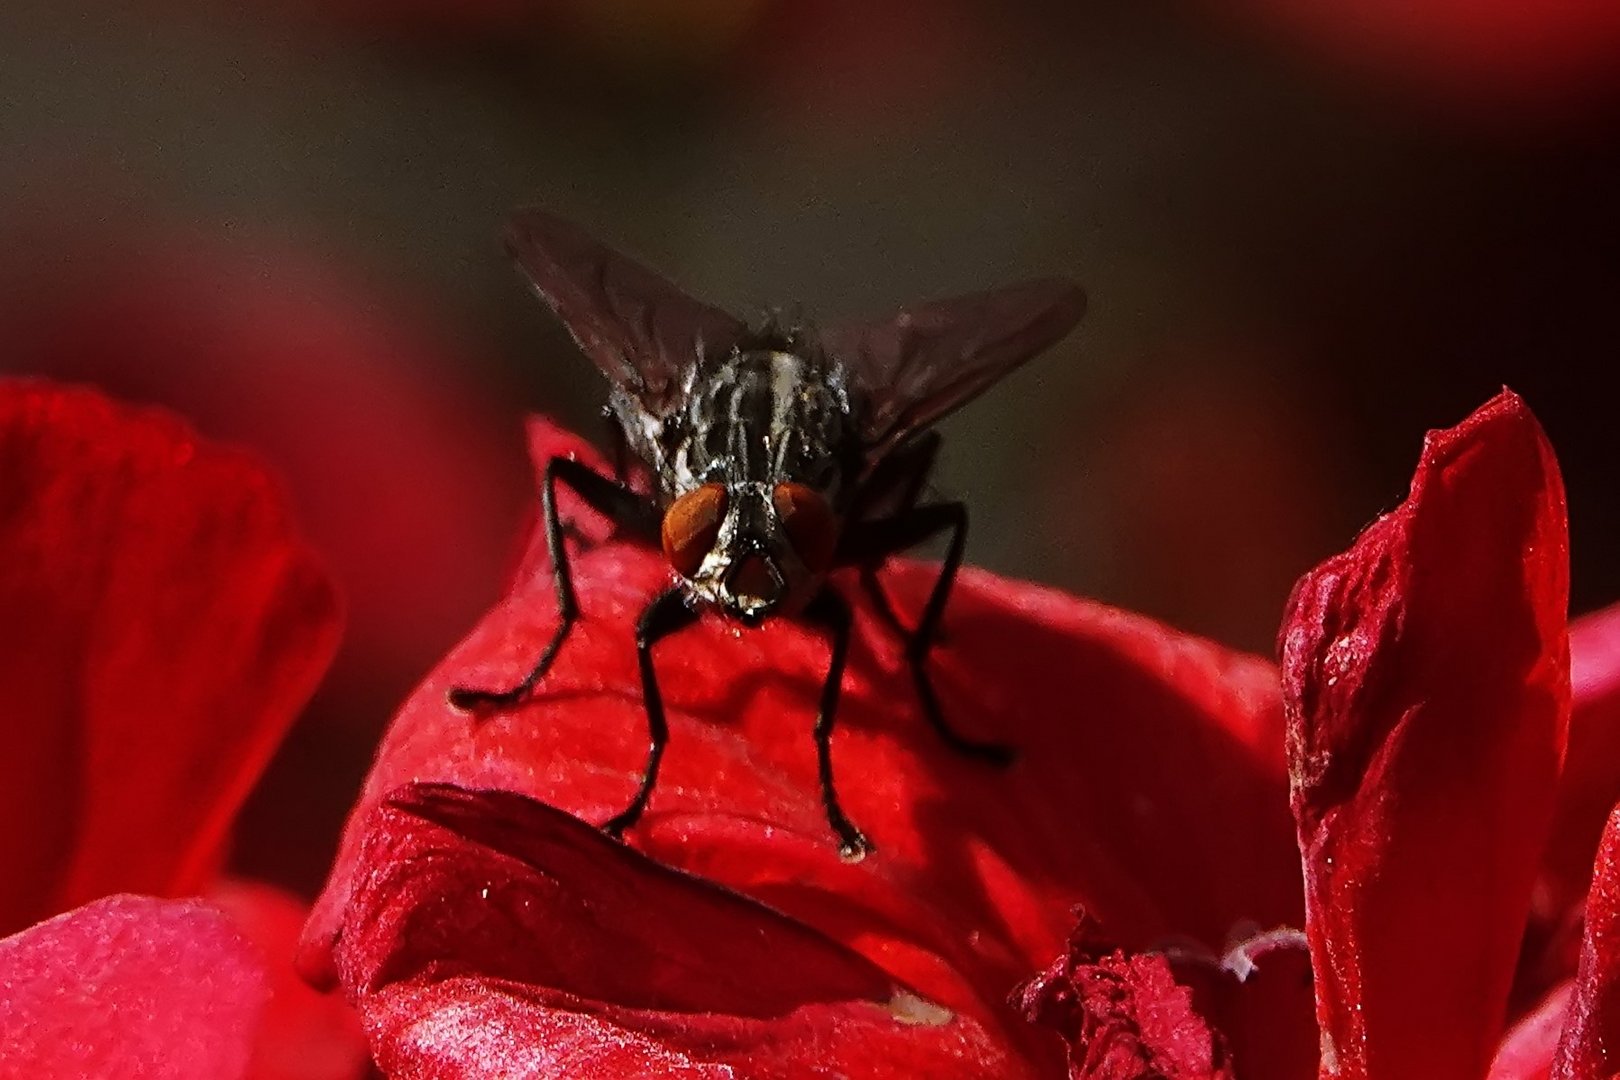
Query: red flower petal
x=1149, y=786
x=304, y=1034
x=165, y=627
x=132, y=988
x=1426, y=677
x=1590, y=784
x=1124, y=1017
x=643, y=970
x=1591, y=1036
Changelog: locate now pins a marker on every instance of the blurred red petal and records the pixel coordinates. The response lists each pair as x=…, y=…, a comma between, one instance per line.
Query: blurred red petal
x=168, y=626
x=129, y=987
x=1590, y=784
x=1124, y=1017
x=1591, y=1035
x=399, y=464
x=1426, y=677
x=1526, y=1052
x=1505, y=59
x=643, y=971
x=304, y=1034
x=1150, y=784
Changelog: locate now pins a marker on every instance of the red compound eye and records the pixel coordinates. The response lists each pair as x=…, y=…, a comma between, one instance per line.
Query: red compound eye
x=691, y=526
x=809, y=523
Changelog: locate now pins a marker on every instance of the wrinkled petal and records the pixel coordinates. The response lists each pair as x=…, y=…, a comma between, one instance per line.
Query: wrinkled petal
x=129, y=987
x=1590, y=1042
x=304, y=1034
x=1124, y=1017
x=1149, y=784
x=644, y=970
x=165, y=626
x=1427, y=684
x=1590, y=784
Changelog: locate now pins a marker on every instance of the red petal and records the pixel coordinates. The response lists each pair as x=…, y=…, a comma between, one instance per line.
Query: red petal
x=167, y=627
x=1591, y=1033
x=1590, y=784
x=643, y=970
x=1426, y=677
x=132, y=988
x=304, y=1035
x=1124, y=1017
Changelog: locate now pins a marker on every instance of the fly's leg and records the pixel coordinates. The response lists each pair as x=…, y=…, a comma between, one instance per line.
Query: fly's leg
x=879, y=596
x=831, y=611
x=876, y=539
x=907, y=470
x=667, y=613
x=610, y=498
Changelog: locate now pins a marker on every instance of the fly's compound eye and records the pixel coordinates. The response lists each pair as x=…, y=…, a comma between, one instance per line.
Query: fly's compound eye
x=691, y=526
x=809, y=524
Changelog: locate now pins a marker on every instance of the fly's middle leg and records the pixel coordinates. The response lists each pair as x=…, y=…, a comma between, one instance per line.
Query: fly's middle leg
x=831, y=611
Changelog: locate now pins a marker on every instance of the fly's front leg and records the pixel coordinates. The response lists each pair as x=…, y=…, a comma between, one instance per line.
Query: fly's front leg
x=668, y=613
x=876, y=539
x=831, y=611
x=627, y=509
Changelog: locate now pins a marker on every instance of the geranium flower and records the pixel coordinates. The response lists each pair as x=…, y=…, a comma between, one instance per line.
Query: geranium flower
x=485, y=928
x=164, y=625
x=490, y=934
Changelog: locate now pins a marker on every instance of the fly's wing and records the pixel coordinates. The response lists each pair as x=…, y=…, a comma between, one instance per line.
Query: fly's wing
x=931, y=359
x=640, y=329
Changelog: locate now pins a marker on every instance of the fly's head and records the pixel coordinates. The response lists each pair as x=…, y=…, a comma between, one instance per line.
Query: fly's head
x=752, y=549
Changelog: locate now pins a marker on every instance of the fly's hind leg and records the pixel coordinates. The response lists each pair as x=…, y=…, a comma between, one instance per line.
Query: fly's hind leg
x=873, y=540
x=632, y=512
x=899, y=483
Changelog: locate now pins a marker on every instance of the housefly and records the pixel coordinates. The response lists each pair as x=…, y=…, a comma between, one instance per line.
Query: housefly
x=775, y=454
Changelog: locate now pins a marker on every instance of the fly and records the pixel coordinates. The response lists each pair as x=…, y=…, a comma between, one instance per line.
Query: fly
x=776, y=455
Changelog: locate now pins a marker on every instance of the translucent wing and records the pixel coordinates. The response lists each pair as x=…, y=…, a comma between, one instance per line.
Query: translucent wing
x=931, y=359
x=640, y=329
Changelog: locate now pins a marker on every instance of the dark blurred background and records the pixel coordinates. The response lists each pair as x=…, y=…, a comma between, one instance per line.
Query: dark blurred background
x=1310, y=230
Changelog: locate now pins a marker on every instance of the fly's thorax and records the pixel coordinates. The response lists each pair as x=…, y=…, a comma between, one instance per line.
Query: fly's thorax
x=759, y=417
